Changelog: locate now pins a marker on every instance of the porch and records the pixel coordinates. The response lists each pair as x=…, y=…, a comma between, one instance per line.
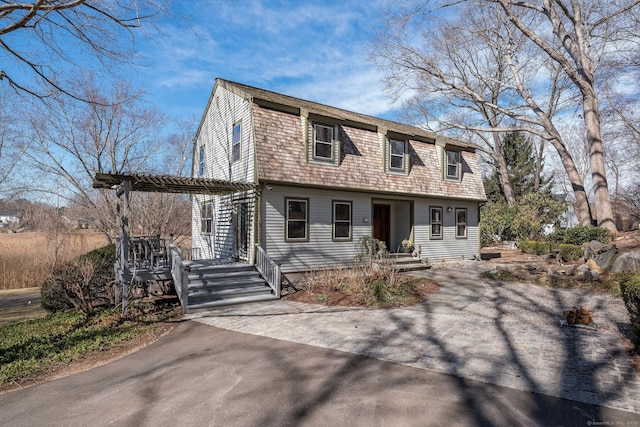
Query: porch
x=199, y=283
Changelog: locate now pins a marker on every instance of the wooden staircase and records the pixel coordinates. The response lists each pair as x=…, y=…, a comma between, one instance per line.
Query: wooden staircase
x=406, y=262
x=213, y=285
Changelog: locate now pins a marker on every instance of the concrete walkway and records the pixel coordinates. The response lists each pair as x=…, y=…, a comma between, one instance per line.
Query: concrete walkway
x=446, y=335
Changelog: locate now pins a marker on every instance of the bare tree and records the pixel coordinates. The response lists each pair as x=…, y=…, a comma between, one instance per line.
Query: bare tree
x=583, y=33
x=476, y=74
x=44, y=42
x=72, y=141
x=11, y=143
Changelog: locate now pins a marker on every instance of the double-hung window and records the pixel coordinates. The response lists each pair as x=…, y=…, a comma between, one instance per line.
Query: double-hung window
x=201, y=161
x=397, y=158
x=297, y=219
x=435, y=214
x=322, y=142
x=341, y=220
x=452, y=165
x=206, y=217
x=461, y=223
x=235, y=145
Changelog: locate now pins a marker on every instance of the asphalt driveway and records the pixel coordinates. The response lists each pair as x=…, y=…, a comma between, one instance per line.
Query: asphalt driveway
x=201, y=375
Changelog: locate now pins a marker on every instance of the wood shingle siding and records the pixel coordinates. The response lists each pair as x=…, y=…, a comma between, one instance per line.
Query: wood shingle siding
x=281, y=153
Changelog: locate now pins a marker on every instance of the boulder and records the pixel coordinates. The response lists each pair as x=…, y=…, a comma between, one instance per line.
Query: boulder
x=629, y=261
x=594, y=248
x=593, y=266
x=605, y=259
x=591, y=276
x=571, y=270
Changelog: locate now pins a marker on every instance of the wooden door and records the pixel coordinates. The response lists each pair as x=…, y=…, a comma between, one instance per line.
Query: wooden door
x=382, y=224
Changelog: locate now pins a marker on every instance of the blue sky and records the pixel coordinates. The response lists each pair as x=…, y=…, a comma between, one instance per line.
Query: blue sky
x=312, y=50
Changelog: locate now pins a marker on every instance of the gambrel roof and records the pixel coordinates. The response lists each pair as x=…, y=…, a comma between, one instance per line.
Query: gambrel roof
x=290, y=104
x=280, y=127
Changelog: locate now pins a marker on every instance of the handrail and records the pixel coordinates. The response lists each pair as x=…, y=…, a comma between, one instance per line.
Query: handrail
x=269, y=269
x=180, y=275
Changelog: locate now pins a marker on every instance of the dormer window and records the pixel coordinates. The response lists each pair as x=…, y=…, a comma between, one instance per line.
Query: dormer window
x=397, y=151
x=396, y=157
x=323, y=142
x=453, y=165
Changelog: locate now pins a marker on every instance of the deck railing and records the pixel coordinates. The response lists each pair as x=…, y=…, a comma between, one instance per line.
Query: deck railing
x=180, y=274
x=269, y=269
x=191, y=253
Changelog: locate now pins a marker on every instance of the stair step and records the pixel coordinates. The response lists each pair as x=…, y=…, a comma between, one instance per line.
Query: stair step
x=191, y=308
x=225, y=283
x=412, y=266
x=216, y=294
x=221, y=275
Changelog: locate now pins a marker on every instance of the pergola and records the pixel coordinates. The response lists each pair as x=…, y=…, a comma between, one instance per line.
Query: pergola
x=123, y=184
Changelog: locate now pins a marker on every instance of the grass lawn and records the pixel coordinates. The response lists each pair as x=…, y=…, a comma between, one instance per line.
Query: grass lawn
x=35, y=349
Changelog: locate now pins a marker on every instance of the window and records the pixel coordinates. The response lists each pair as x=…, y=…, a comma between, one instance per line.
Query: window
x=201, y=162
x=436, y=223
x=322, y=142
x=235, y=146
x=397, y=150
x=452, y=164
x=341, y=220
x=206, y=217
x=296, y=219
x=461, y=223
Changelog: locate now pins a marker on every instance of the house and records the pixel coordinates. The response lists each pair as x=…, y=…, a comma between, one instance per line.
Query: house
x=322, y=178
x=8, y=218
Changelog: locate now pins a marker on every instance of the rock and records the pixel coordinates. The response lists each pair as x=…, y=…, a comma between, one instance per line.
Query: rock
x=594, y=248
x=591, y=276
x=593, y=266
x=582, y=268
x=629, y=261
x=570, y=270
x=605, y=259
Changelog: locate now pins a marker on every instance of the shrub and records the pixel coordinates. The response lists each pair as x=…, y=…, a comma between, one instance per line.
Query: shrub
x=582, y=234
x=522, y=221
x=630, y=288
x=82, y=283
x=570, y=252
x=536, y=248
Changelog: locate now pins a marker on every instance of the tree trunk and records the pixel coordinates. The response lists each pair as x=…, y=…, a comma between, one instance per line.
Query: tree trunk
x=604, y=212
x=503, y=172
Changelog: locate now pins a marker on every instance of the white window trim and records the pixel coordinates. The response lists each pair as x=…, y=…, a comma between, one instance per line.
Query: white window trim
x=431, y=223
x=342, y=221
x=465, y=223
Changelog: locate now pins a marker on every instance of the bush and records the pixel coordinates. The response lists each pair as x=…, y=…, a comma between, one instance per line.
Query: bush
x=582, y=234
x=536, y=248
x=630, y=289
x=522, y=221
x=82, y=283
x=570, y=252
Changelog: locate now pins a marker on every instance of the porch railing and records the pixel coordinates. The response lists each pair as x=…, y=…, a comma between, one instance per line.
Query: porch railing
x=269, y=269
x=180, y=275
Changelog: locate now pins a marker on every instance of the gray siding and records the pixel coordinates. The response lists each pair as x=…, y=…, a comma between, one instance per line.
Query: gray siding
x=320, y=250
x=215, y=133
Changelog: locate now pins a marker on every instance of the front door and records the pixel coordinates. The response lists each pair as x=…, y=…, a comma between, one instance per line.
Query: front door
x=382, y=224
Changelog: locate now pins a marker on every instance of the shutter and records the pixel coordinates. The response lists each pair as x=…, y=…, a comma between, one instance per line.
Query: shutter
x=407, y=158
x=336, y=145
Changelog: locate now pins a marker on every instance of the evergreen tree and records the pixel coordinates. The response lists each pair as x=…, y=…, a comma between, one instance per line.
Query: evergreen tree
x=521, y=165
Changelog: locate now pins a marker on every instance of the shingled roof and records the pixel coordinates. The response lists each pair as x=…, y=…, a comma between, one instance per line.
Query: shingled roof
x=294, y=105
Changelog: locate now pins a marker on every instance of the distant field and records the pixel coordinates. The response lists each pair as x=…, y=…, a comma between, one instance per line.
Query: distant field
x=26, y=259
